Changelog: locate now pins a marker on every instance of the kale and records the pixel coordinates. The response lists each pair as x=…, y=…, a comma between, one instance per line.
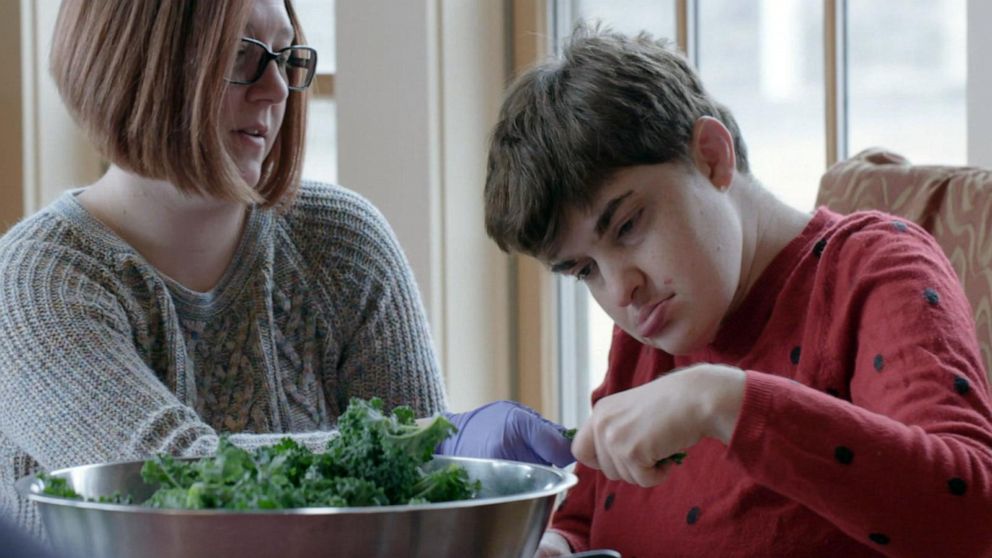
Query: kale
x=443, y=485
x=56, y=486
x=387, y=450
x=674, y=458
x=377, y=459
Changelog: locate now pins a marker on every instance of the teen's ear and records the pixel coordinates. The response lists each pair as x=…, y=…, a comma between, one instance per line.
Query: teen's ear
x=712, y=150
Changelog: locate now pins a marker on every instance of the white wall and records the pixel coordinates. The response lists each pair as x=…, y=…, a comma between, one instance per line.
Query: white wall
x=478, y=355
x=418, y=87
x=979, y=83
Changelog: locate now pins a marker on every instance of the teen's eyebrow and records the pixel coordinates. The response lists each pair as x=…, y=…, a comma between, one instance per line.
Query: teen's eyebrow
x=606, y=216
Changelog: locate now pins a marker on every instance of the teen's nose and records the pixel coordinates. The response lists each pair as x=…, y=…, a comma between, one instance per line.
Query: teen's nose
x=624, y=284
x=271, y=86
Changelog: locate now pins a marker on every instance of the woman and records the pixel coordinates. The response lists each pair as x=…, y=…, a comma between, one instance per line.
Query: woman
x=199, y=287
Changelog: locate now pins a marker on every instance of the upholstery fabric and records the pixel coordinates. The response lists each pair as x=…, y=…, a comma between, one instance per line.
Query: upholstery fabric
x=953, y=203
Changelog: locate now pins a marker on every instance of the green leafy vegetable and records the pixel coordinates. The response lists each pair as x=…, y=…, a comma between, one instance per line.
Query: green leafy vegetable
x=377, y=459
x=674, y=458
x=570, y=433
x=57, y=486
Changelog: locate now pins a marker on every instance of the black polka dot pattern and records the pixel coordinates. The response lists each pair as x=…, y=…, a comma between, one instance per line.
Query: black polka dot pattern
x=609, y=501
x=961, y=385
x=693, y=516
x=794, y=355
x=899, y=226
x=957, y=486
x=879, y=363
x=843, y=455
x=819, y=246
x=879, y=538
x=931, y=295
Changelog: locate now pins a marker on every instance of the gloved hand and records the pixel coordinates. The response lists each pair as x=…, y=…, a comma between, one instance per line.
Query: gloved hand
x=507, y=430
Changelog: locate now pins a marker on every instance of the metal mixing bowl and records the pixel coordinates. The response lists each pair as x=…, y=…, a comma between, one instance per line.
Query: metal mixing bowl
x=506, y=520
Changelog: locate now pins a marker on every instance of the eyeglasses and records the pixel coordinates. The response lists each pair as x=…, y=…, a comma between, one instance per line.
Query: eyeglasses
x=297, y=64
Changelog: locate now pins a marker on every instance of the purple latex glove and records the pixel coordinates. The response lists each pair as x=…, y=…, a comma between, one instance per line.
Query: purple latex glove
x=507, y=430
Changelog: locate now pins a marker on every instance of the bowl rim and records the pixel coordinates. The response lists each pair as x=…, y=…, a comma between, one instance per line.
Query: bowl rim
x=29, y=487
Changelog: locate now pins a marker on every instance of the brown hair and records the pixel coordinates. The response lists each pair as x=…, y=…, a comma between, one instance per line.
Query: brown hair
x=145, y=80
x=567, y=125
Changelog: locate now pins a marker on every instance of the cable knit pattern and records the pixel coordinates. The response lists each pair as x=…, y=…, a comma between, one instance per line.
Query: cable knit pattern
x=104, y=359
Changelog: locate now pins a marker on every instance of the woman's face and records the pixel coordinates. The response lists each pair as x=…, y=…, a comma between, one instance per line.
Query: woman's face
x=252, y=114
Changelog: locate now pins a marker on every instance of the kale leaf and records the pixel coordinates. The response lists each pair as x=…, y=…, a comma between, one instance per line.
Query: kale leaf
x=377, y=459
x=674, y=458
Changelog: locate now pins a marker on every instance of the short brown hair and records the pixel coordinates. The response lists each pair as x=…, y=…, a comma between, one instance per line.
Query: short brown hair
x=567, y=125
x=145, y=80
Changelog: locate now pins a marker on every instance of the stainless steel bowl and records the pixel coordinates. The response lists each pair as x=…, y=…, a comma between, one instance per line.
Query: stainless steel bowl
x=506, y=520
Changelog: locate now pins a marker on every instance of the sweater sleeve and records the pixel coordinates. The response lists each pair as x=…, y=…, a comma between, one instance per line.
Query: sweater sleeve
x=75, y=388
x=906, y=465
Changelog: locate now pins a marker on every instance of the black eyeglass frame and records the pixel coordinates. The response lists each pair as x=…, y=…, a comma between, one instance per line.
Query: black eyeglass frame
x=268, y=55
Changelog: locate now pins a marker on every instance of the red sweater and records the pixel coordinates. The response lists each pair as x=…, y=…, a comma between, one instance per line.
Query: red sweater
x=866, y=427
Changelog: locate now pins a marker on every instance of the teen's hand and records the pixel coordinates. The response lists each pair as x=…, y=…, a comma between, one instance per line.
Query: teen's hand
x=508, y=430
x=630, y=432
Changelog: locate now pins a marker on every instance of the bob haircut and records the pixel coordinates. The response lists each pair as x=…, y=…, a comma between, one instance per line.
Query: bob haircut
x=145, y=79
x=567, y=125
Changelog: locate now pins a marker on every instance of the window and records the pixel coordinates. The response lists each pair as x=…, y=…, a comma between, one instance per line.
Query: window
x=900, y=77
x=766, y=65
x=321, y=160
x=907, y=78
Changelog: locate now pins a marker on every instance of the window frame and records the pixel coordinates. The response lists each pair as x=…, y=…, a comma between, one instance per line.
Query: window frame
x=568, y=403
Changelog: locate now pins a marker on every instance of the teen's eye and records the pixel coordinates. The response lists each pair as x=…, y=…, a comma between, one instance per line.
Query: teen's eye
x=628, y=225
x=584, y=272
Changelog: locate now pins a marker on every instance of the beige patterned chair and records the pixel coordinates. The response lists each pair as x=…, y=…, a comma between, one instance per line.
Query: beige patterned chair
x=953, y=203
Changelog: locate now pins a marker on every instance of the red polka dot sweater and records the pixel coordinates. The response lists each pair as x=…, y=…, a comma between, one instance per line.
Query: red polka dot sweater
x=866, y=427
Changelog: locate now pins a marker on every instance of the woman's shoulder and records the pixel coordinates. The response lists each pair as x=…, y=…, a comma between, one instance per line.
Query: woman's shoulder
x=57, y=246
x=64, y=235
x=331, y=203
x=61, y=227
x=330, y=215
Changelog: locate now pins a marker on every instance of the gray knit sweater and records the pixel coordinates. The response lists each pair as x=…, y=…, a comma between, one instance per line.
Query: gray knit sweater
x=104, y=359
